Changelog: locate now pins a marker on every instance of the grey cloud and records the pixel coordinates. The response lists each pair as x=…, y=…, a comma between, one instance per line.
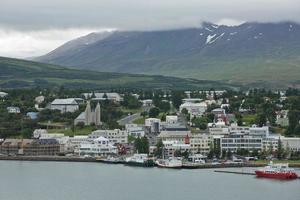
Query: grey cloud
x=140, y=14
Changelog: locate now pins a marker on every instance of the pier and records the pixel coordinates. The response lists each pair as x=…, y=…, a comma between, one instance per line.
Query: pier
x=233, y=172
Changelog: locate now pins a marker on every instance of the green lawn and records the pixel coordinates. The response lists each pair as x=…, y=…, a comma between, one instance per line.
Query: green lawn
x=127, y=110
x=140, y=120
x=78, y=131
x=249, y=119
x=277, y=161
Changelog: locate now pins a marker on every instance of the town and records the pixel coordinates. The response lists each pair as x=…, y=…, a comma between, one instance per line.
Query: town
x=168, y=128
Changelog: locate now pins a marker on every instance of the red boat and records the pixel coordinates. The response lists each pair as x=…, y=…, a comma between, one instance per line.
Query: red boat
x=278, y=171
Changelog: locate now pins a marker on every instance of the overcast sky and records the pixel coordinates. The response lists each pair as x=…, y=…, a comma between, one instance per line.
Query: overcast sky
x=34, y=27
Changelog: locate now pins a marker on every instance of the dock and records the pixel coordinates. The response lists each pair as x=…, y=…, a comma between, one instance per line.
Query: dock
x=233, y=172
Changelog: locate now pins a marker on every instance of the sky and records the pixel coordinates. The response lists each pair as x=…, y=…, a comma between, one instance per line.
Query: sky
x=30, y=28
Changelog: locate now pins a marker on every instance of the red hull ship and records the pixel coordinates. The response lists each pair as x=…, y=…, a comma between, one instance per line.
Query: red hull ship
x=277, y=171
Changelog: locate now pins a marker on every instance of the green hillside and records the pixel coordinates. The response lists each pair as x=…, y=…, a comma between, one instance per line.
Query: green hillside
x=15, y=73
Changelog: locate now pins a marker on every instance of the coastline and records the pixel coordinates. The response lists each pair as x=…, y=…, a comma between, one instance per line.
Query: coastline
x=82, y=159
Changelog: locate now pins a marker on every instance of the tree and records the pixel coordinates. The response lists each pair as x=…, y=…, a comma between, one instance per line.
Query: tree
x=131, y=102
x=177, y=97
x=159, y=149
x=280, y=150
x=154, y=112
x=144, y=114
x=141, y=145
x=200, y=122
x=184, y=111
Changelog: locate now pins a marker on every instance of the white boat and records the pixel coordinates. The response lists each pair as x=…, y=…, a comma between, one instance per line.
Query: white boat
x=169, y=163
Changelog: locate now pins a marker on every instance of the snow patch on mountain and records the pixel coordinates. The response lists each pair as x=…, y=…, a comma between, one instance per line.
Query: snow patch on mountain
x=208, y=29
x=209, y=38
x=212, y=38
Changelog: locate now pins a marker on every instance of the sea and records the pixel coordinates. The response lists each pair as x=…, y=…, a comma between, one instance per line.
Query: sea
x=38, y=180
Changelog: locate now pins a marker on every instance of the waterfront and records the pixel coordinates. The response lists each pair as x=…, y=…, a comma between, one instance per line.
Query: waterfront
x=72, y=181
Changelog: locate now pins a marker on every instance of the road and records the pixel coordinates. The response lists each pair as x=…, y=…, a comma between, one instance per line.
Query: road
x=129, y=119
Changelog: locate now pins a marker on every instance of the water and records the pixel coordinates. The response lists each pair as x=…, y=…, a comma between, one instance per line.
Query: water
x=83, y=181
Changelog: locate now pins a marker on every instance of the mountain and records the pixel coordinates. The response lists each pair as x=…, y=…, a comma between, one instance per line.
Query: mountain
x=248, y=53
x=15, y=73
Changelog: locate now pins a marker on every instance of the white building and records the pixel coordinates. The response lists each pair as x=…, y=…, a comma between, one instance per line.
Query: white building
x=218, y=129
x=115, y=136
x=153, y=125
x=98, y=147
x=282, y=118
x=259, y=131
x=200, y=143
x=195, y=109
x=237, y=141
x=39, y=132
x=73, y=143
x=171, y=119
x=170, y=147
x=3, y=94
x=291, y=143
x=39, y=99
x=147, y=102
x=64, y=105
x=135, y=130
x=13, y=109
x=192, y=100
x=112, y=96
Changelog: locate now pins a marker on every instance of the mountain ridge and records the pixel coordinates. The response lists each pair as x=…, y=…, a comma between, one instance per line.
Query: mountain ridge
x=247, y=53
x=17, y=73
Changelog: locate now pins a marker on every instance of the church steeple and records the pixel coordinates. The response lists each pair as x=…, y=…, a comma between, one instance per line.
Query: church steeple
x=88, y=114
x=98, y=115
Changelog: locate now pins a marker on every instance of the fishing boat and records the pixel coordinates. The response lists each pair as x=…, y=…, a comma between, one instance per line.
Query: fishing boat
x=169, y=163
x=140, y=160
x=277, y=171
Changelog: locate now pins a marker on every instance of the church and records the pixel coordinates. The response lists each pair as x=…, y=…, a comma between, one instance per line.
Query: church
x=90, y=117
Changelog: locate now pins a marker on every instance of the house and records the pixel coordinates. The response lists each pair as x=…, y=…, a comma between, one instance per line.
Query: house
x=198, y=143
x=153, y=125
x=39, y=99
x=195, y=109
x=30, y=147
x=13, y=109
x=147, y=102
x=100, y=146
x=170, y=147
x=134, y=130
x=282, y=118
x=115, y=136
x=32, y=115
x=3, y=94
x=112, y=96
x=64, y=105
x=174, y=135
x=218, y=111
x=171, y=119
x=192, y=100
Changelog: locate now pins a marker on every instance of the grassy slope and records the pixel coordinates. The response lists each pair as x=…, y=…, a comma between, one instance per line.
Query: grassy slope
x=20, y=73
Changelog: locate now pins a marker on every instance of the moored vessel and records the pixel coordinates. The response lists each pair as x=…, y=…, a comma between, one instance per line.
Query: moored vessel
x=110, y=160
x=277, y=171
x=140, y=160
x=169, y=163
